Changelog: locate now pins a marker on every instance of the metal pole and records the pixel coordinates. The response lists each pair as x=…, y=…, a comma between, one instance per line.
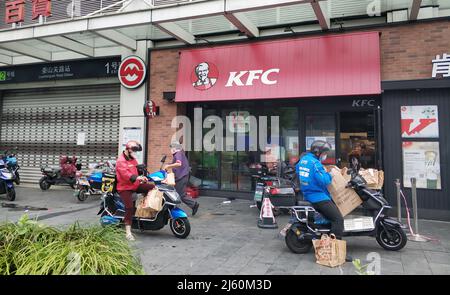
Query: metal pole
x=414, y=201
x=417, y=236
x=399, y=204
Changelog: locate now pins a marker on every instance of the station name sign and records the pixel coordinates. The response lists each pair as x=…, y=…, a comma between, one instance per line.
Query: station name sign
x=77, y=69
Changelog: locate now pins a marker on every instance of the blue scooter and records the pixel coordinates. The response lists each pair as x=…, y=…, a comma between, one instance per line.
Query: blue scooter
x=7, y=182
x=100, y=181
x=10, y=160
x=112, y=209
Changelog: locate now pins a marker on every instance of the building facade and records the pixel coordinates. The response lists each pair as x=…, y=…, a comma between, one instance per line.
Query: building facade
x=370, y=120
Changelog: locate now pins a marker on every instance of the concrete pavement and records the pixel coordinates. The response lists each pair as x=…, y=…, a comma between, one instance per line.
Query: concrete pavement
x=225, y=240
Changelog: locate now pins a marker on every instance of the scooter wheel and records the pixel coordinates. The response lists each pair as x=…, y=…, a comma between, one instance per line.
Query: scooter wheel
x=180, y=227
x=82, y=196
x=392, y=239
x=296, y=245
x=43, y=184
x=11, y=194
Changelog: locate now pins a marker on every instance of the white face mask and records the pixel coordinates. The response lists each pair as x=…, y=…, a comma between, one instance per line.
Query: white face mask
x=132, y=154
x=323, y=157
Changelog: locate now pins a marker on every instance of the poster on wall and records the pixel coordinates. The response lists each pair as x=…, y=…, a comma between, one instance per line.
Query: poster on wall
x=133, y=133
x=421, y=160
x=239, y=122
x=420, y=121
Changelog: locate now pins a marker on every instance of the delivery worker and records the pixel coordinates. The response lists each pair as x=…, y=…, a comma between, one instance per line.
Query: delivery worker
x=129, y=181
x=181, y=169
x=313, y=184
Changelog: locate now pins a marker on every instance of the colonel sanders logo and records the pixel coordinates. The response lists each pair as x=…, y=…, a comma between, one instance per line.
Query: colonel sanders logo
x=204, y=76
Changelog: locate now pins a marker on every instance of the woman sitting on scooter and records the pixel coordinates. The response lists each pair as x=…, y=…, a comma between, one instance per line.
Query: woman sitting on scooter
x=129, y=181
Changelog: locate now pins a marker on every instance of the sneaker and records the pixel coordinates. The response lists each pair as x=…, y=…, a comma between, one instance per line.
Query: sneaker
x=130, y=237
x=194, y=210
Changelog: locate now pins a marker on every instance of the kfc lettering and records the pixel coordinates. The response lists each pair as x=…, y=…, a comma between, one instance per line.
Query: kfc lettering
x=235, y=78
x=345, y=64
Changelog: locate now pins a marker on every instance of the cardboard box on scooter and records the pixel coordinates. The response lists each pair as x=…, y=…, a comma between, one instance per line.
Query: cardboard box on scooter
x=346, y=199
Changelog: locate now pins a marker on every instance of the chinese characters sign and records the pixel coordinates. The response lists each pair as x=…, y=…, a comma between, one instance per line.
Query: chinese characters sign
x=15, y=10
x=92, y=68
x=441, y=66
x=420, y=121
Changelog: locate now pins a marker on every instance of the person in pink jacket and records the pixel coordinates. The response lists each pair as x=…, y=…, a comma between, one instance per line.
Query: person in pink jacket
x=129, y=181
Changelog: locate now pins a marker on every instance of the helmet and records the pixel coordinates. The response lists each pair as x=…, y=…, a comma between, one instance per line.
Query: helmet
x=319, y=146
x=134, y=146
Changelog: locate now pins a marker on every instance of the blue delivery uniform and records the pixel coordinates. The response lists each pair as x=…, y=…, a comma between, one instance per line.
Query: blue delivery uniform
x=314, y=180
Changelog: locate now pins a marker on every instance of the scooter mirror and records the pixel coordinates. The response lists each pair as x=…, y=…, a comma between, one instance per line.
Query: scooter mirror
x=163, y=159
x=78, y=166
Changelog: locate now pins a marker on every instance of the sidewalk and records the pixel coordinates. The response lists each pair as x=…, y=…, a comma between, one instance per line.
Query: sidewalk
x=225, y=240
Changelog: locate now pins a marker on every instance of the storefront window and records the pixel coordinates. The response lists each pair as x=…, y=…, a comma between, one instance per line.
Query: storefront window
x=322, y=127
x=234, y=170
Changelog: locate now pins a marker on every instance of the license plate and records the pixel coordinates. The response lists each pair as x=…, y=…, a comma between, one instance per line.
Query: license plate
x=259, y=193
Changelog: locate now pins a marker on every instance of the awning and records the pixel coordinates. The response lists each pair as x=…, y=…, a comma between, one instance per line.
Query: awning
x=335, y=65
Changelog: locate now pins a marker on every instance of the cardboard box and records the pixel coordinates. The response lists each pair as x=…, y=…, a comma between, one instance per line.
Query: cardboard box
x=346, y=199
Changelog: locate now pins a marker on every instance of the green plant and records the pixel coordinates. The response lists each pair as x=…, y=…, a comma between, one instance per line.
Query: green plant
x=29, y=247
x=360, y=269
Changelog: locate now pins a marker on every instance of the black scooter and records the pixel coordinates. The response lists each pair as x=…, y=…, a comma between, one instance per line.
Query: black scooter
x=278, y=185
x=308, y=224
x=52, y=176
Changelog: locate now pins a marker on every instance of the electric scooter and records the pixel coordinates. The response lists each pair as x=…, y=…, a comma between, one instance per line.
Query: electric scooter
x=100, y=181
x=7, y=182
x=112, y=209
x=308, y=224
x=10, y=160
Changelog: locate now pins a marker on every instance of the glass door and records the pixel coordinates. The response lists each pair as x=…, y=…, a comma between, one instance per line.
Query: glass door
x=357, y=138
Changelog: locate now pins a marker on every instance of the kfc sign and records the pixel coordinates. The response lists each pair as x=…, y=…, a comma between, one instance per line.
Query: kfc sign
x=345, y=64
x=15, y=10
x=250, y=76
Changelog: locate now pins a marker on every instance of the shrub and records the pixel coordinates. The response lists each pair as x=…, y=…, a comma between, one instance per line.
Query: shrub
x=28, y=247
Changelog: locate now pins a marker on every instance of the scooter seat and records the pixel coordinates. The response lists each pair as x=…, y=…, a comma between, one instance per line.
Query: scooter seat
x=304, y=203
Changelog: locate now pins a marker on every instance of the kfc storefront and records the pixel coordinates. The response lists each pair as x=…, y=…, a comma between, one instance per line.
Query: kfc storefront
x=267, y=101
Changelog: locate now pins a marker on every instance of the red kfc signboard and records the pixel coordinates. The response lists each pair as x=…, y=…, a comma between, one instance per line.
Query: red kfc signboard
x=309, y=67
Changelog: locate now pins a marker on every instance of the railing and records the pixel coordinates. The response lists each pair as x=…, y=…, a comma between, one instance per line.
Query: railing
x=69, y=9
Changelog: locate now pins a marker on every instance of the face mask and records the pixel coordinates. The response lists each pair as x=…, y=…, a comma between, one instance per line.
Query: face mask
x=323, y=157
x=132, y=154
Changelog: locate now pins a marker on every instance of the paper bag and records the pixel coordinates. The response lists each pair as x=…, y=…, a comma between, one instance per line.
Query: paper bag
x=346, y=199
x=142, y=212
x=330, y=251
x=170, y=179
x=154, y=200
x=373, y=177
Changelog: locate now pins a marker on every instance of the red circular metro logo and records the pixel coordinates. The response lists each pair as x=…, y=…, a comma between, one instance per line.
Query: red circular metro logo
x=132, y=72
x=204, y=76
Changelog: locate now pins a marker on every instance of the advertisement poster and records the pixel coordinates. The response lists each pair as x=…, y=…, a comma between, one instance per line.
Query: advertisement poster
x=133, y=133
x=81, y=138
x=421, y=160
x=239, y=121
x=420, y=121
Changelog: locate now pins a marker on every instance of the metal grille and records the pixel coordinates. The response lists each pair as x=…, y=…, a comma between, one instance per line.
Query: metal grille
x=43, y=124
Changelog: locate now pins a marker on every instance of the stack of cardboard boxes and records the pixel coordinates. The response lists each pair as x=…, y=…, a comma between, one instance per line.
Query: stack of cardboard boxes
x=347, y=199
